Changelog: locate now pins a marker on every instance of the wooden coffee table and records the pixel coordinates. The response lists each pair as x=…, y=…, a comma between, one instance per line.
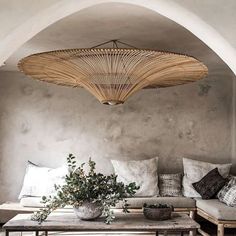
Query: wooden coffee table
x=132, y=222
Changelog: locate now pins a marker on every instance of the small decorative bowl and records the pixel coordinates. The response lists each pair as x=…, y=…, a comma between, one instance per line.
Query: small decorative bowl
x=154, y=213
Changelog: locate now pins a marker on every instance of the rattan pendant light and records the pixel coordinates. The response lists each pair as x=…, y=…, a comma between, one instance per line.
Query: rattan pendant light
x=113, y=74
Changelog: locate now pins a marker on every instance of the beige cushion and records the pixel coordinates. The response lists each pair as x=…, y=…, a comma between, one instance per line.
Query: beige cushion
x=39, y=181
x=195, y=171
x=177, y=202
x=135, y=202
x=143, y=173
x=31, y=202
x=217, y=209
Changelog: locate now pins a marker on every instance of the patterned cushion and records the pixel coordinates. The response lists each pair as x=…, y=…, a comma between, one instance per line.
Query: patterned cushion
x=170, y=185
x=143, y=172
x=210, y=184
x=196, y=170
x=228, y=193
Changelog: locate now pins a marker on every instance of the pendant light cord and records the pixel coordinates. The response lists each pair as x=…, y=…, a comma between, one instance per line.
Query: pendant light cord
x=114, y=43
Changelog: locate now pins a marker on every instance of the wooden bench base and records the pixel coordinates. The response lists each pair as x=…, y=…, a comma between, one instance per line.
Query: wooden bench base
x=221, y=224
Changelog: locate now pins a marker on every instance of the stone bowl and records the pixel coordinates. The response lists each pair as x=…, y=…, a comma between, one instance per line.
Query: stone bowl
x=88, y=211
x=157, y=213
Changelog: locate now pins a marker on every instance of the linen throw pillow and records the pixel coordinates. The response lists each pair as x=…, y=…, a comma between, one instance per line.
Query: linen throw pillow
x=210, y=184
x=170, y=185
x=143, y=172
x=40, y=181
x=227, y=194
x=195, y=171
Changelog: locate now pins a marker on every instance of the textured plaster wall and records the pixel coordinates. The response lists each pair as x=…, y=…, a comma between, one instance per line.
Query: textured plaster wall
x=43, y=123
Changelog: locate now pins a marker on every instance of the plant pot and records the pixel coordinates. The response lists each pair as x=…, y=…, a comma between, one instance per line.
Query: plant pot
x=88, y=211
x=157, y=213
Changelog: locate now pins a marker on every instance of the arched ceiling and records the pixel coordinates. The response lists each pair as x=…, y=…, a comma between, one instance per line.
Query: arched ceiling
x=135, y=25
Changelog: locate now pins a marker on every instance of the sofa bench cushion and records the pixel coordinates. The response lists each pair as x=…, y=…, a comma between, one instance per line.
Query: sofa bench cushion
x=31, y=202
x=217, y=209
x=176, y=202
x=134, y=202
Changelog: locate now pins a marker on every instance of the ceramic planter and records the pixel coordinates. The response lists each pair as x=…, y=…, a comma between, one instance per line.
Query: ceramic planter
x=88, y=211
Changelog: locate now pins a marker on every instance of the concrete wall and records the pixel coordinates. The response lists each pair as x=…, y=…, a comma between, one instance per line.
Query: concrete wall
x=43, y=123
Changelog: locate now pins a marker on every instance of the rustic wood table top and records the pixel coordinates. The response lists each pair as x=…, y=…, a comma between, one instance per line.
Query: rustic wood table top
x=123, y=222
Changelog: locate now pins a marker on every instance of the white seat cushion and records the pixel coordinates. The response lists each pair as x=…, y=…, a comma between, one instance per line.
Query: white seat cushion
x=134, y=202
x=31, y=202
x=217, y=209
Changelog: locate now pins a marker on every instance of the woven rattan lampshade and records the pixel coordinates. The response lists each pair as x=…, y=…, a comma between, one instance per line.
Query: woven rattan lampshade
x=113, y=74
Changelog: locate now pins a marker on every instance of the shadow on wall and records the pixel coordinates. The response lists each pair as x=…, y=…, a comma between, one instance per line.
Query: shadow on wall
x=43, y=123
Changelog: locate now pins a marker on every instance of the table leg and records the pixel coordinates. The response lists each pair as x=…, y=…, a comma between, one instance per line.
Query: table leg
x=193, y=232
x=6, y=233
x=36, y=233
x=220, y=230
x=164, y=233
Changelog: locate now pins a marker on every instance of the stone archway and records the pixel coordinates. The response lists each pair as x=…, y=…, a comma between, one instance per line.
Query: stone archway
x=171, y=10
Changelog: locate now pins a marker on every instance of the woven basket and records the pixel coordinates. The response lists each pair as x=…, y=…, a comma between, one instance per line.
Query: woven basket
x=157, y=213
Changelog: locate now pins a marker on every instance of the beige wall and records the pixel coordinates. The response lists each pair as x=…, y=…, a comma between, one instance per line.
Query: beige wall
x=43, y=123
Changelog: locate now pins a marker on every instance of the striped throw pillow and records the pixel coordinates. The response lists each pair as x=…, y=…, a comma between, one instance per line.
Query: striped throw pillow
x=170, y=185
x=227, y=194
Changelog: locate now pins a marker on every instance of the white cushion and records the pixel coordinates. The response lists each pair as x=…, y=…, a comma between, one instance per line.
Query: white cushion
x=31, y=202
x=143, y=173
x=40, y=181
x=196, y=170
x=217, y=209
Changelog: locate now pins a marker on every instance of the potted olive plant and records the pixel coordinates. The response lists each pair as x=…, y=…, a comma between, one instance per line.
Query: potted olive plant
x=91, y=194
